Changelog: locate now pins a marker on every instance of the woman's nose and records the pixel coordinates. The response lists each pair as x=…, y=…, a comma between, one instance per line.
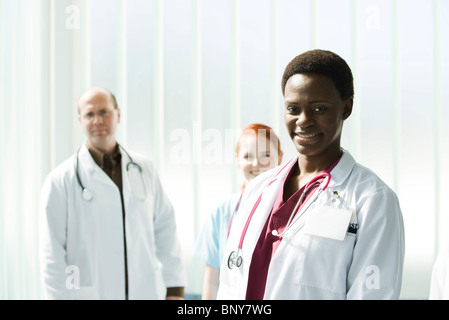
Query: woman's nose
x=255, y=162
x=304, y=120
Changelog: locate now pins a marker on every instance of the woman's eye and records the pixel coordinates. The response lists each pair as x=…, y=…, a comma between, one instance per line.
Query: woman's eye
x=317, y=109
x=292, y=109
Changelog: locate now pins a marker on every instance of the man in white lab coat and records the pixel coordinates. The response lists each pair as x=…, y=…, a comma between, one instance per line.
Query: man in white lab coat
x=106, y=228
x=322, y=226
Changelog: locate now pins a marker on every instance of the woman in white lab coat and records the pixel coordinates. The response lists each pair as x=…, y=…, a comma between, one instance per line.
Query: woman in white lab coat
x=343, y=242
x=89, y=247
x=258, y=150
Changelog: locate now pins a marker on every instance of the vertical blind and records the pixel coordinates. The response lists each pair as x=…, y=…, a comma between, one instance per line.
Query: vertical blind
x=189, y=75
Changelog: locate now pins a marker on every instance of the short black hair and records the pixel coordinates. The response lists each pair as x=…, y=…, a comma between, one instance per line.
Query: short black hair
x=326, y=63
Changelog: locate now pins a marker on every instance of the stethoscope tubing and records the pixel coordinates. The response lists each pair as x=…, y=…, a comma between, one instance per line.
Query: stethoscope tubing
x=87, y=195
x=327, y=177
x=235, y=259
x=252, y=211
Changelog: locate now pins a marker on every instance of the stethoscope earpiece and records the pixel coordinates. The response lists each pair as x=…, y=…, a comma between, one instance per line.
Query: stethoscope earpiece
x=87, y=195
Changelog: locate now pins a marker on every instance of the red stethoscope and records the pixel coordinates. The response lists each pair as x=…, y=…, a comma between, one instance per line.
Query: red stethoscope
x=235, y=258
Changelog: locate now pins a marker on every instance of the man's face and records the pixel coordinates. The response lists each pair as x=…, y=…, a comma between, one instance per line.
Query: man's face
x=99, y=118
x=314, y=113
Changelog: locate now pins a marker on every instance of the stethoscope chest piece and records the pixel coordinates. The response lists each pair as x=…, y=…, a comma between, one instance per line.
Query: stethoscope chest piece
x=234, y=260
x=87, y=195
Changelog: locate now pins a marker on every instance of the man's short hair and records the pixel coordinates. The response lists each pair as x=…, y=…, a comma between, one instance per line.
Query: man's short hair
x=114, y=100
x=326, y=63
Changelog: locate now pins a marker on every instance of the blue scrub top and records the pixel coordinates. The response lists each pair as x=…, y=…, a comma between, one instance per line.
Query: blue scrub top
x=210, y=244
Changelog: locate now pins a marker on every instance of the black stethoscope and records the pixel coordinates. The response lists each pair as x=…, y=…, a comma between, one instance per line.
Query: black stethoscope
x=235, y=258
x=88, y=195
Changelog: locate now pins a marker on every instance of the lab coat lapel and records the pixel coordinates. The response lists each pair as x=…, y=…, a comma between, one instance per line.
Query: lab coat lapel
x=339, y=174
x=270, y=193
x=342, y=170
x=126, y=191
x=90, y=169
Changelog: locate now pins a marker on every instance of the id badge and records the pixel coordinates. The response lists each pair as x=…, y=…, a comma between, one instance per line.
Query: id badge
x=328, y=222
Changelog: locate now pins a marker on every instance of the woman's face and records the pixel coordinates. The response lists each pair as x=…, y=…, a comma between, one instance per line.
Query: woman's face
x=314, y=114
x=256, y=155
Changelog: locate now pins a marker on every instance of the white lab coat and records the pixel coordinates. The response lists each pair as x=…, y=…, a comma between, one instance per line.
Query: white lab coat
x=439, y=284
x=366, y=265
x=82, y=242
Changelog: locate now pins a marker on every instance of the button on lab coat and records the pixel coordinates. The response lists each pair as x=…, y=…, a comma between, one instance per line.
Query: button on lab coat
x=368, y=264
x=81, y=242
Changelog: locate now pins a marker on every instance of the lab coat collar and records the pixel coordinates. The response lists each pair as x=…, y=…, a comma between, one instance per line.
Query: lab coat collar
x=90, y=167
x=99, y=157
x=86, y=160
x=338, y=174
x=284, y=171
x=342, y=170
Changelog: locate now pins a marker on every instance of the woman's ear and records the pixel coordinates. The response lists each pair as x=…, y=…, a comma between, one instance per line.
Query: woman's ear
x=280, y=157
x=348, y=108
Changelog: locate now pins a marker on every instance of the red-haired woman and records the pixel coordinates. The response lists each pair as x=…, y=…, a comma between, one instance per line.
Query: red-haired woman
x=258, y=150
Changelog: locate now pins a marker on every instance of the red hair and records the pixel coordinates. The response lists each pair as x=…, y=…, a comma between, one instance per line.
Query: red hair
x=255, y=129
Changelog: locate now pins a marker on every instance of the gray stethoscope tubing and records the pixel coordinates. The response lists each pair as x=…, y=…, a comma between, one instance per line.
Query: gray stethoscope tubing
x=86, y=193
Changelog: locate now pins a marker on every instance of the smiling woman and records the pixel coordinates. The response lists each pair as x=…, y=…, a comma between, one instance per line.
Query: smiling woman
x=314, y=114
x=189, y=75
x=258, y=150
x=280, y=239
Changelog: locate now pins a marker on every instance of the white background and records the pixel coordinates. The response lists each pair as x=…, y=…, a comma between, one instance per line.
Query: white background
x=192, y=74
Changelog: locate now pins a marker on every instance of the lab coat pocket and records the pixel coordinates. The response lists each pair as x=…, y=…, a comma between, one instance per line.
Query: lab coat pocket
x=323, y=263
